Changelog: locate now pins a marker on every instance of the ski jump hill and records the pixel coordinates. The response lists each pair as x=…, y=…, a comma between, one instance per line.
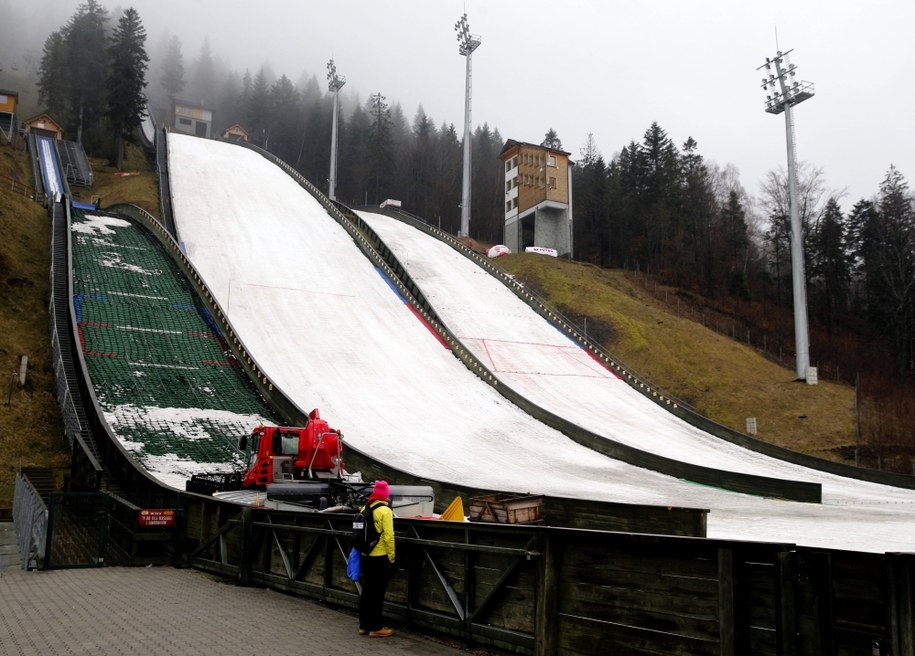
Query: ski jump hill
x=532, y=412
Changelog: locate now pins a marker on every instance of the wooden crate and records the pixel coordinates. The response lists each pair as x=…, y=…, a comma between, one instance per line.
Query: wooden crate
x=506, y=509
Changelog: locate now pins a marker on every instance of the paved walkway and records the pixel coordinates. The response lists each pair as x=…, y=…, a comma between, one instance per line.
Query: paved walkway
x=167, y=611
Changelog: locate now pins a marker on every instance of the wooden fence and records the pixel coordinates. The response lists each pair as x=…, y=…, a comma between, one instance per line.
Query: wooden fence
x=547, y=590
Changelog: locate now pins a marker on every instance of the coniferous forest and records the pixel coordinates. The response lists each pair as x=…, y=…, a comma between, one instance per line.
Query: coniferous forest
x=658, y=206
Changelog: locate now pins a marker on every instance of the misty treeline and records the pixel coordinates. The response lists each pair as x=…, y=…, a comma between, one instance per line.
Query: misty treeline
x=653, y=207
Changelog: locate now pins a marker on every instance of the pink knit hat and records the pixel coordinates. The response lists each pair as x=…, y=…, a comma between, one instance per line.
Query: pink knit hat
x=381, y=490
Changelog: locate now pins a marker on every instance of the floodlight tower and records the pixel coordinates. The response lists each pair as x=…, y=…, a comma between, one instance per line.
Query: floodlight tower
x=334, y=84
x=782, y=98
x=467, y=43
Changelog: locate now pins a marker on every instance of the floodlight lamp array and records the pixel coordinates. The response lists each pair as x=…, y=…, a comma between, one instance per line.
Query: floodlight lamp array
x=334, y=82
x=467, y=42
x=789, y=91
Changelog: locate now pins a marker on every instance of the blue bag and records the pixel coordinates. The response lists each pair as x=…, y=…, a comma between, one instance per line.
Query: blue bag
x=354, y=565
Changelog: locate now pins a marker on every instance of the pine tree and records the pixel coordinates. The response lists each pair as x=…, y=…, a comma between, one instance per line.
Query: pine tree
x=863, y=248
x=590, y=183
x=897, y=222
x=284, y=117
x=257, y=113
x=380, y=147
x=422, y=165
x=551, y=140
x=698, y=215
x=487, y=215
x=829, y=269
x=203, y=78
x=88, y=62
x=353, y=165
x=173, y=70
x=127, y=79
x=732, y=241
x=53, y=76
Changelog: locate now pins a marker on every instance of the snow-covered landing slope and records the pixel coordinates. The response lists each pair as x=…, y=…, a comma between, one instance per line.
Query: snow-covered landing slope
x=332, y=334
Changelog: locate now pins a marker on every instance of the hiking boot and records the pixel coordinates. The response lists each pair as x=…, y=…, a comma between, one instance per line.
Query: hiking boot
x=381, y=633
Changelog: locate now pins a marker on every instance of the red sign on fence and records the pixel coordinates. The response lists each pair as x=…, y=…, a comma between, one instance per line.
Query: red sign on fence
x=165, y=518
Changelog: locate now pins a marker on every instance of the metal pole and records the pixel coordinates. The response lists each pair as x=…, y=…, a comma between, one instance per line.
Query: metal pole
x=465, y=192
x=333, y=152
x=798, y=277
x=334, y=83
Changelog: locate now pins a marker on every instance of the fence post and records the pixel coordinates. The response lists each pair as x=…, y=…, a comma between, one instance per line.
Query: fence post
x=247, y=533
x=901, y=588
x=546, y=605
x=104, y=522
x=727, y=614
x=787, y=603
x=49, y=533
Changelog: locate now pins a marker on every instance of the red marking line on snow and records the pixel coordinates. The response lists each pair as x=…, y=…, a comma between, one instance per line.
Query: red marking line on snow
x=566, y=350
x=428, y=326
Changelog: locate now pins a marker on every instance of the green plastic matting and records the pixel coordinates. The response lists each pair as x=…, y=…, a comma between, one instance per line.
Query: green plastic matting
x=162, y=372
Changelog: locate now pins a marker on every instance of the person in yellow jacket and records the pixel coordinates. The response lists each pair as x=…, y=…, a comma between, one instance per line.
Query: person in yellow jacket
x=376, y=567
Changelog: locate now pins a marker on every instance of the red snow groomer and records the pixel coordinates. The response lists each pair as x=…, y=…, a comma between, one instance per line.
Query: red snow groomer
x=301, y=468
x=284, y=454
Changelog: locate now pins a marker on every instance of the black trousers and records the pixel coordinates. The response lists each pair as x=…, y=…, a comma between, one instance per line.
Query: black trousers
x=375, y=573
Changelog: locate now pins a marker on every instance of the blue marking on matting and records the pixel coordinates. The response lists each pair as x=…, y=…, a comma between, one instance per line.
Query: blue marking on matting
x=78, y=303
x=390, y=284
x=211, y=322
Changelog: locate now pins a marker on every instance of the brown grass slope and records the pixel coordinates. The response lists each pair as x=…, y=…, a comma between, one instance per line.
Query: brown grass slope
x=31, y=429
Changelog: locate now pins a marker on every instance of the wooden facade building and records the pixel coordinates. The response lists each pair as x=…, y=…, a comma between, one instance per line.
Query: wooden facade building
x=538, y=197
x=43, y=125
x=235, y=132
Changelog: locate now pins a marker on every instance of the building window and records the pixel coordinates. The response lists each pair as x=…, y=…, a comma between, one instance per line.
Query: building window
x=515, y=203
x=185, y=121
x=508, y=166
x=551, y=160
x=508, y=206
x=552, y=183
x=515, y=162
x=508, y=186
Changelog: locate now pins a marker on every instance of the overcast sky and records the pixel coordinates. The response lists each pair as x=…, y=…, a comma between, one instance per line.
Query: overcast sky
x=598, y=66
